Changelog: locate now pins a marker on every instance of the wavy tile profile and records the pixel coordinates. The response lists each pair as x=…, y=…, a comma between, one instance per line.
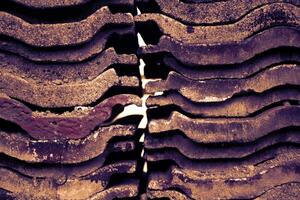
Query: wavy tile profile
x=238, y=106
x=48, y=35
x=241, y=178
x=225, y=53
x=66, y=54
x=35, y=188
x=72, y=124
x=62, y=95
x=216, y=90
x=173, y=156
x=254, y=65
x=261, y=19
x=217, y=83
x=57, y=3
x=93, y=170
x=203, y=13
x=200, y=151
x=66, y=72
x=237, y=130
x=67, y=151
x=251, y=185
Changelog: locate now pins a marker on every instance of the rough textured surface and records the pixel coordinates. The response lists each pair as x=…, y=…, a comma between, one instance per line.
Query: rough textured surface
x=209, y=130
x=80, y=188
x=47, y=35
x=58, y=170
x=66, y=53
x=218, y=81
x=251, y=184
x=195, y=150
x=245, y=69
x=203, y=13
x=225, y=54
x=65, y=151
x=239, y=106
x=63, y=81
x=75, y=124
x=66, y=72
x=215, y=90
x=249, y=177
x=65, y=3
x=266, y=17
x=56, y=94
x=223, y=98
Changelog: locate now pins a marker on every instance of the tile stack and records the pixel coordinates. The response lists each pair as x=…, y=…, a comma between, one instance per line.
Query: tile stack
x=223, y=81
x=67, y=70
x=227, y=125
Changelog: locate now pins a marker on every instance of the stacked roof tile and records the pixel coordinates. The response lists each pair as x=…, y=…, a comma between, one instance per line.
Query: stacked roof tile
x=227, y=123
x=223, y=108
x=63, y=80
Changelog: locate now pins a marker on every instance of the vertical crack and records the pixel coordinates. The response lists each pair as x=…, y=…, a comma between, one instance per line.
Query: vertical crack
x=142, y=165
x=144, y=122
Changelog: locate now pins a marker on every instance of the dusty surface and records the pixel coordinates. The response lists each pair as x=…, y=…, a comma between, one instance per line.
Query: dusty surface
x=220, y=79
x=224, y=54
x=223, y=107
x=66, y=3
x=66, y=72
x=204, y=13
x=65, y=53
x=209, y=130
x=216, y=90
x=239, y=106
x=252, y=176
x=266, y=17
x=75, y=124
x=63, y=82
x=48, y=35
x=245, y=69
x=63, y=95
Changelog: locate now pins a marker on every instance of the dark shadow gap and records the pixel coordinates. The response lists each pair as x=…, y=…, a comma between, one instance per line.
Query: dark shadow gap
x=149, y=31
